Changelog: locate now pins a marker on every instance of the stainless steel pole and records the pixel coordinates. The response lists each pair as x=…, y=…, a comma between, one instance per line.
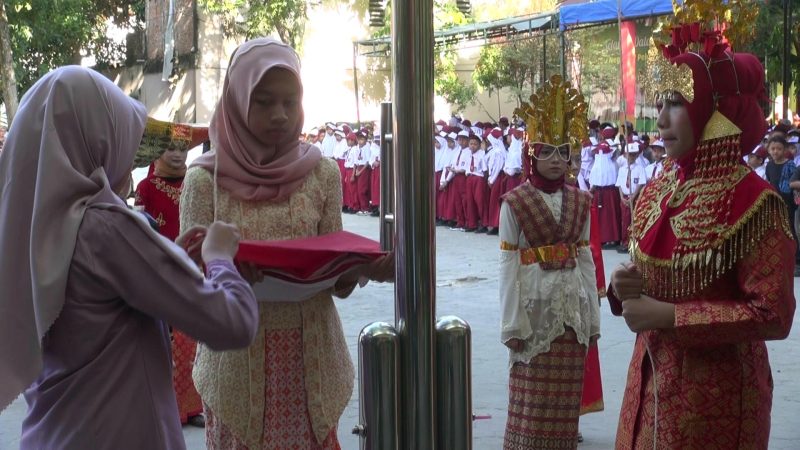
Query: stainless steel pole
x=453, y=384
x=387, y=208
x=378, y=353
x=412, y=75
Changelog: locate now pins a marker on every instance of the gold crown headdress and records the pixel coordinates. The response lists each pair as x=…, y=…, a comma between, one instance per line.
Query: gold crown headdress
x=160, y=135
x=556, y=115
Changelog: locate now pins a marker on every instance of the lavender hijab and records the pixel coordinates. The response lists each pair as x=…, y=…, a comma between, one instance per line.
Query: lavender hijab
x=73, y=139
x=234, y=145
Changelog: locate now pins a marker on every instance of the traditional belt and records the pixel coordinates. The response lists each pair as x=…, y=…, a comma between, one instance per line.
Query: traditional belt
x=558, y=253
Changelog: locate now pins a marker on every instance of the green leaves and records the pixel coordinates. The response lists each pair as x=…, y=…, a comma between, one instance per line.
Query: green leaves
x=286, y=18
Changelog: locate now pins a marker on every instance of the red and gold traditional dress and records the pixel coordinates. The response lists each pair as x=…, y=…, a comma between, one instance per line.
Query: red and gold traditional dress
x=159, y=195
x=548, y=290
x=713, y=239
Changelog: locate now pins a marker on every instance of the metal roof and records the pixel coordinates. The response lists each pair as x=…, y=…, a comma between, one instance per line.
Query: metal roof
x=471, y=32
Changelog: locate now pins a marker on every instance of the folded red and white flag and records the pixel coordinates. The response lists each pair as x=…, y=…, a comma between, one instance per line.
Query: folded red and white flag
x=297, y=269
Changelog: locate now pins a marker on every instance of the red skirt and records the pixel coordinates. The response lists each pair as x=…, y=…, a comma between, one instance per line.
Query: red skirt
x=545, y=398
x=183, y=351
x=511, y=182
x=625, y=220
x=493, y=209
x=362, y=190
x=592, y=398
x=441, y=197
x=287, y=424
x=343, y=171
x=375, y=188
x=606, y=200
x=458, y=189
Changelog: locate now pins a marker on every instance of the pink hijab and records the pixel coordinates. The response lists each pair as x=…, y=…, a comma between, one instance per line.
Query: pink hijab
x=74, y=138
x=237, y=170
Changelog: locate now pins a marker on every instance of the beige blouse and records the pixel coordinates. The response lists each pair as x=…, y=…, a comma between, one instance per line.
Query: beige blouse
x=536, y=305
x=232, y=383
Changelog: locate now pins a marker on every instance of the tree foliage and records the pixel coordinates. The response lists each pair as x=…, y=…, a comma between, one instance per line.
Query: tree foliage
x=768, y=44
x=46, y=34
x=251, y=19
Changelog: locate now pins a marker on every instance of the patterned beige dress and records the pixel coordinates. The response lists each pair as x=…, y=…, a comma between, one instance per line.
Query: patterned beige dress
x=290, y=387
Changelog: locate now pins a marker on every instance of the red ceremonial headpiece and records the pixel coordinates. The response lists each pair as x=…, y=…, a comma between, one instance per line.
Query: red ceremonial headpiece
x=706, y=211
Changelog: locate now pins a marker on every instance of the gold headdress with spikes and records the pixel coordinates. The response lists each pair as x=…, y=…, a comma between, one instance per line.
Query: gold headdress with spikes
x=159, y=136
x=556, y=115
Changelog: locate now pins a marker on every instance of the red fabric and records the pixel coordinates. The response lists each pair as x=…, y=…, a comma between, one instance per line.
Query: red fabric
x=287, y=424
x=474, y=201
x=713, y=373
x=596, y=244
x=660, y=240
x=493, y=206
x=345, y=192
x=160, y=197
x=352, y=190
x=302, y=258
x=458, y=188
x=362, y=190
x=183, y=352
x=592, y=397
x=627, y=35
x=375, y=187
x=511, y=182
x=606, y=200
x=441, y=196
x=624, y=220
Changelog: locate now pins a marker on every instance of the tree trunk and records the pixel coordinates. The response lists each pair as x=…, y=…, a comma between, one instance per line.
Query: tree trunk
x=8, y=80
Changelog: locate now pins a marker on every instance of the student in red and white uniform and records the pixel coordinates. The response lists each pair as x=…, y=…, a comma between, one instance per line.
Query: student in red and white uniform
x=654, y=169
x=439, y=163
x=476, y=193
x=630, y=180
x=451, y=152
x=457, y=181
x=495, y=161
x=375, y=174
x=512, y=168
x=350, y=196
x=361, y=154
x=605, y=194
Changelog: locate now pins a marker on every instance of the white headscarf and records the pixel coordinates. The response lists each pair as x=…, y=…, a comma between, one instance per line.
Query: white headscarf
x=74, y=137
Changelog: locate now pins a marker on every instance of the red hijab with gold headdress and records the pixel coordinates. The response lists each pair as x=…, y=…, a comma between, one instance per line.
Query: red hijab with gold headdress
x=695, y=222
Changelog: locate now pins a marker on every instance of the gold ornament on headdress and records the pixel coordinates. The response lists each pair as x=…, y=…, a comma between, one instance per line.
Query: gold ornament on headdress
x=556, y=115
x=158, y=137
x=664, y=78
x=735, y=17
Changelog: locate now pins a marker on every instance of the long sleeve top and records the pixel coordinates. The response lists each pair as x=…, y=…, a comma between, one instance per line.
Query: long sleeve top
x=460, y=162
x=233, y=383
x=477, y=164
x=537, y=304
x=495, y=160
x=108, y=353
x=513, y=163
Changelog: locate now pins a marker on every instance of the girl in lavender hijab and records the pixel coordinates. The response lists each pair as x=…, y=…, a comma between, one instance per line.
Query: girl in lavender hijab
x=86, y=287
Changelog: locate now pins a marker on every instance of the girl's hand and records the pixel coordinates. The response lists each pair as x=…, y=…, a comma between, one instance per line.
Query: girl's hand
x=191, y=242
x=221, y=242
x=646, y=313
x=627, y=281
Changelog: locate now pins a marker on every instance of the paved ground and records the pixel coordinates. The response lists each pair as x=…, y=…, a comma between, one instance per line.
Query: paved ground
x=467, y=286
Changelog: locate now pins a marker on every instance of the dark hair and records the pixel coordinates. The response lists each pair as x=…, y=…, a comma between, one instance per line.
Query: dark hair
x=779, y=139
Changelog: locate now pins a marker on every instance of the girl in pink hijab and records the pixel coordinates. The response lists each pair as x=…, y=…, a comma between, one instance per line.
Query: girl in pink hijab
x=87, y=287
x=290, y=387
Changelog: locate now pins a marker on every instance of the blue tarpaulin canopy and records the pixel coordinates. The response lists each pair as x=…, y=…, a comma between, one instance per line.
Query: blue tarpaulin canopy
x=583, y=12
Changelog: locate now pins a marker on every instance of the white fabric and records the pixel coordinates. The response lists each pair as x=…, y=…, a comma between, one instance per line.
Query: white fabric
x=604, y=170
x=375, y=153
x=439, y=155
x=477, y=163
x=495, y=160
x=762, y=171
x=361, y=155
x=459, y=163
x=447, y=161
x=653, y=170
x=328, y=145
x=513, y=162
x=349, y=157
x=536, y=305
x=637, y=178
x=340, y=149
